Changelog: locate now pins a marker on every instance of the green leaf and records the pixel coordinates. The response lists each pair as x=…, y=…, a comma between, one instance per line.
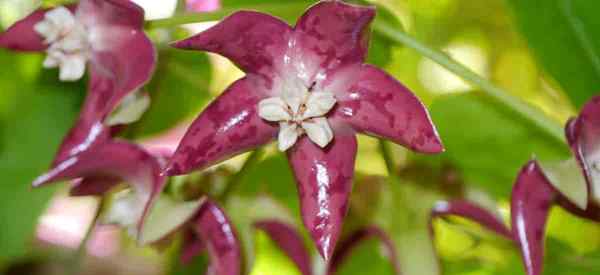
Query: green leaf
x=269, y=258
x=488, y=143
x=567, y=178
x=36, y=110
x=563, y=35
x=367, y=258
x=178, y=91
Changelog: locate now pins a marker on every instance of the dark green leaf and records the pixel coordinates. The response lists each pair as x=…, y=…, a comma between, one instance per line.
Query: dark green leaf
x=488, y=143
x=36, y=110
x=563, y=35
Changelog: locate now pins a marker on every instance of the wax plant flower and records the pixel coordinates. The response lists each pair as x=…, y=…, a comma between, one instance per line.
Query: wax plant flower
x=142, y=209
x=106, y=37
x=307, y=87
x=572, y=184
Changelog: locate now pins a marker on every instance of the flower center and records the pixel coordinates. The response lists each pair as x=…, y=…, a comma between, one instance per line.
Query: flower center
x=300, y=109
x=68, y=43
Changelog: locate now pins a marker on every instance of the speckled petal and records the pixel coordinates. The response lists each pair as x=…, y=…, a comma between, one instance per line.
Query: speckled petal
x=220, y=238
x=472, y=212
x=254, y=41
x=89, y=130
x=228, y=126
x=289, y=241
x=379, y=105
x=21, y=36
x=582, y=135
x=349, y=244
x=532, y=198
x=127, y=63
x=324, y=178
x=122, y=160
x=335, y=32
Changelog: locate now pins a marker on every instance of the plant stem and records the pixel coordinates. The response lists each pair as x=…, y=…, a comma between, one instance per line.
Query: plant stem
x=252, y=159
x=384, y=148
x=521, y=108
x=82, y=249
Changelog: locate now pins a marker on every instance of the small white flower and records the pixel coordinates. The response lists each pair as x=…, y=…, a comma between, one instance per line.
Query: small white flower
x=68, y=42
x=299, y=110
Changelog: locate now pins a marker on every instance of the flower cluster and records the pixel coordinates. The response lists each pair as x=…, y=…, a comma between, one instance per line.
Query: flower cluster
x=306, y=86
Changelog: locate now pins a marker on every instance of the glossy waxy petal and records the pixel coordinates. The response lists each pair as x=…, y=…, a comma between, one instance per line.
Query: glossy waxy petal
x=289, y=241
x=335, y=33
x=21, y=36
x=349, y=244
x=472, y=212
x=254, y=41
x=217, y=233
x=120, y=13
x=582, y=135
x=93, y=186
x=115, y=159
x=230, y=125
x=377, y=104
x=532, y=198
x=324, y=178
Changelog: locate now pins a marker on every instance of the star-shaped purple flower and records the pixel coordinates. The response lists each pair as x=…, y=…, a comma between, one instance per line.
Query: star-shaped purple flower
x=107, y=37
x=307, y=87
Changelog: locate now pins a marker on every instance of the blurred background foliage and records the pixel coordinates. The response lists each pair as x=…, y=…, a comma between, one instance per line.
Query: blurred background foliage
x=544, y=52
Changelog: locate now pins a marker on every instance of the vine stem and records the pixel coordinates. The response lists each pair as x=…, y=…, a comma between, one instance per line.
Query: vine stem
x=82, y=249
x=531, y=114
x=252, y=159
x=518, y=106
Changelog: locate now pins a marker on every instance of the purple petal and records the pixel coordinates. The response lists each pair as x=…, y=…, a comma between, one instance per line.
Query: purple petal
x=122, y=160
x=83, y=136
x=123, y=56
x=93, y=186
x=254, y=41
x=336, y=33
x=228, y=126
x=203, y=5
x=192, y=247
x=324, y=178
x=219, y=237
x=582, y=134
x=289, y=241
x=106, y=13
x=379, y=105
x=472, y=212
x=348, y=245
x=22, y=37
x=531, y=200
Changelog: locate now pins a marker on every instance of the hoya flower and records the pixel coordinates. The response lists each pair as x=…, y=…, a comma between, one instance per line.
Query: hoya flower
x=203, y=223
x=106, y=36
x=532, y=198
x=306, y=87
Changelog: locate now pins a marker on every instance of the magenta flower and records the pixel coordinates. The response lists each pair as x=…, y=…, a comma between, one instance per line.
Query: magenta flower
x=307, y=87
x=532, y=198
x=105, y=36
